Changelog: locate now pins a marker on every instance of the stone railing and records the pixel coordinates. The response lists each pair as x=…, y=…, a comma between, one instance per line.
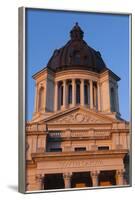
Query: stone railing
x=92, y=134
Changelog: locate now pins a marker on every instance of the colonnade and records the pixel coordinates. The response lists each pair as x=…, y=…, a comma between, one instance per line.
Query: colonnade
x=94, y=175
x=81, y=91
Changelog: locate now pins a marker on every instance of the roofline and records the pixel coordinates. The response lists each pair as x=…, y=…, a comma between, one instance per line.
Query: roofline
x=117, y=78
x=34, y=76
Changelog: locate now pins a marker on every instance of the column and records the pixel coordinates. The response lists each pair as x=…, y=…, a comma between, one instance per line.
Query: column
x=94, y=177
x=119, y=177
x=67, y=179
x=56, y=97
x=91, y=94
x=64, y=94
x=99, y=96
x=82, y=92
x=40, y=181
x=73, y=92
x=36, y=96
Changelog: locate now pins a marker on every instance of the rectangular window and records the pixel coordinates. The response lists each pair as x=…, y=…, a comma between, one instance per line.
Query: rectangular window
x=103, y=148
x=56, y=150
x=80, y=149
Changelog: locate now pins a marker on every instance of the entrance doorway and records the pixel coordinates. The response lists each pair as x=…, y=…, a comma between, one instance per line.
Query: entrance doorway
x=53, y=181
x=107, y=178
x=81, y=179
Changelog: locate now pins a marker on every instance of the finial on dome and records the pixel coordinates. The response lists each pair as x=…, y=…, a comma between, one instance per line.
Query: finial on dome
x=76, y=33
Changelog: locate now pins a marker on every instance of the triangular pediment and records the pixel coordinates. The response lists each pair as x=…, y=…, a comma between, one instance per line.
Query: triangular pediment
x=79, y=115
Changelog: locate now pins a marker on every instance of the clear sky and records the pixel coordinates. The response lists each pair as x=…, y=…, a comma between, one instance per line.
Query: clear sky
x=49, y=30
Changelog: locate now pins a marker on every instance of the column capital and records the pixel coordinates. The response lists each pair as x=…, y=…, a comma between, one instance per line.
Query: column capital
x=90, y=80
x=56, y=82
x=120, y=172
x=67, y=175
x=64, y=81
x=120, y=177
x=39, y=177
x=94, y=176
x=73, y=79
x=94, y=173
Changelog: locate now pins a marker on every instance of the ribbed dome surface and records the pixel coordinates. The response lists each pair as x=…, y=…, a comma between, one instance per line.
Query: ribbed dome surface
x=76, y=54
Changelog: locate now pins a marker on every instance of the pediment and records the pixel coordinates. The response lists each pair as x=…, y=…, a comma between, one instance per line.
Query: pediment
x=77, y=116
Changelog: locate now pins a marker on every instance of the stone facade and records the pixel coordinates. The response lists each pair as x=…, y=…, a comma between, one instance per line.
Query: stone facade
x=76, y=137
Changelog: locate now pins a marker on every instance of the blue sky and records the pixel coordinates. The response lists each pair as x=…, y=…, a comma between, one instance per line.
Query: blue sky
x=49, y=30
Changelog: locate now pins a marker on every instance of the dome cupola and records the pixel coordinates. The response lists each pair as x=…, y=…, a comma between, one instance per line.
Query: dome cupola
x=76, y=54
x=76, y=33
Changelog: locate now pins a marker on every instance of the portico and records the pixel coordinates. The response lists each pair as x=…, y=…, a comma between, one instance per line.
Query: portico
x=85, y=169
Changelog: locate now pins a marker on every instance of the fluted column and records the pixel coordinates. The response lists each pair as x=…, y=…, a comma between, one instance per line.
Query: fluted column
x=56, y=97
x=91, y=94
x=73, y=92
x=64, y=94
x=82, y=92
x=99, y=96
x=94, y=177
x=119, y=177
x=67, y=179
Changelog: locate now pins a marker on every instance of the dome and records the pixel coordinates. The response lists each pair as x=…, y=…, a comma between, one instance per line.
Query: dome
x=76, y=54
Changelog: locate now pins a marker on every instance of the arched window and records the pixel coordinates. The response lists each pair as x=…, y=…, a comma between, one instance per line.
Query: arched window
x=95, y=94
x=61, y=96
x=77, y=93
x=41, y=99
x=112, y=100
x=86, y=93
x=69, y=94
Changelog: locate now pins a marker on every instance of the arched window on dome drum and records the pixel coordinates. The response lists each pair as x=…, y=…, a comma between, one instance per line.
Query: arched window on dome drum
x=41, y=98
x=112, y=100
x=60, y=95
x=86, y=100
x=78, y=92
x=69, y=94
x=95, y=103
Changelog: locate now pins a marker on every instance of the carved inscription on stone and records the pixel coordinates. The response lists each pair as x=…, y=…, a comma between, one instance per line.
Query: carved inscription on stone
x=74, y=164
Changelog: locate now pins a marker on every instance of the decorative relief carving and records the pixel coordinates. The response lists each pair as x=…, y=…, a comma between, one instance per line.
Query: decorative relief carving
x=67, y=175
x=78, y=117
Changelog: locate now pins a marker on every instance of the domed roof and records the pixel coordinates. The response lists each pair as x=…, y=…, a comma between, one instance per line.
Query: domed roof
x=76, y=54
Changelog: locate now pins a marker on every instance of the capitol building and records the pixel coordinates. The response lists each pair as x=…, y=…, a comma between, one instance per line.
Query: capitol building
x=76, y=137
